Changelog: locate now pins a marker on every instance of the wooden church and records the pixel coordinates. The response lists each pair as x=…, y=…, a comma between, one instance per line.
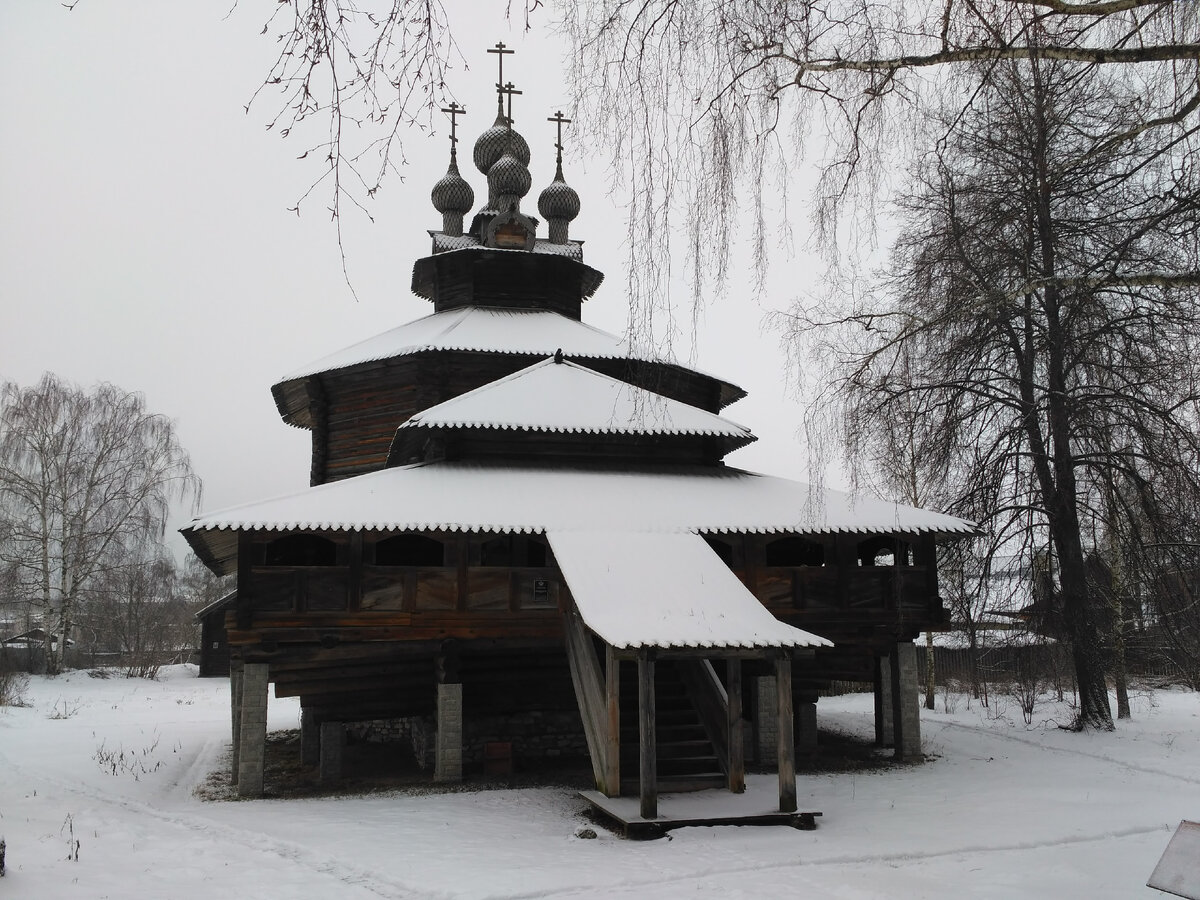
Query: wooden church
x=521, y=540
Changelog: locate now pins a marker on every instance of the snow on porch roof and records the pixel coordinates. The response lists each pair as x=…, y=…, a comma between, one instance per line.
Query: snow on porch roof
x=498, y=497
x=565, y=397
x=667, y=591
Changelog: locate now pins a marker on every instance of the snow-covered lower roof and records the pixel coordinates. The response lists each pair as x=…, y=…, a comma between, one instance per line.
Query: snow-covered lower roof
x=565, y=397
x=499, y=497
x=666, y=591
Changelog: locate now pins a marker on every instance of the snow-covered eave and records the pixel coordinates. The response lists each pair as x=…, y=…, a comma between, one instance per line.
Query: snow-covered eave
x=744, y=436
x=216, y=545
x=291, y=392
x=497, y=497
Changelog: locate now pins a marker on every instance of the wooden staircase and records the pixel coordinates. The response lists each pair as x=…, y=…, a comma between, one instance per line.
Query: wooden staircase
x=687, y=760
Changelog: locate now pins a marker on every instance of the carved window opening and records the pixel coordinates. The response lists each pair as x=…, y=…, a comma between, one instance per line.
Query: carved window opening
x=794, y=551
x=410, y=550
x=885, y=551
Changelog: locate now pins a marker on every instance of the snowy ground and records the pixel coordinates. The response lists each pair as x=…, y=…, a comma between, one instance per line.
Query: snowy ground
x=1001, y=811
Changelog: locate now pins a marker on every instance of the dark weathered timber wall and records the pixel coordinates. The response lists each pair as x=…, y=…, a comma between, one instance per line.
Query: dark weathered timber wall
x=356, y=411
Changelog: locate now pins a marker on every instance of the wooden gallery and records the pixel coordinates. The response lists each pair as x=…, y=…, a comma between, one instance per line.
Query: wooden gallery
x=521, y=539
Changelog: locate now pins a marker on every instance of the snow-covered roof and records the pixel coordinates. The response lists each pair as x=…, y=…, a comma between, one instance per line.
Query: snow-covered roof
x=665, y=590
x=565, y=397
x=536, y=332
x=498, y=497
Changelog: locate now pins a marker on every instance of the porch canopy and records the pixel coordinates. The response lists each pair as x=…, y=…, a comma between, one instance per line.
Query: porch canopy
x=645, y=592
x=667, y=591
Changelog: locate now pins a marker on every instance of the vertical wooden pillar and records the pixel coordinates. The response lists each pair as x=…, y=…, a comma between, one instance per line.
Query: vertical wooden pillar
x=235, y=716
x=333, y=743
x=252, y=743
x=906, y=706
x=646, y=721
x=737, y=745
x=310, y=738
x=612, y=740
x=786, y=736
x=883, y=701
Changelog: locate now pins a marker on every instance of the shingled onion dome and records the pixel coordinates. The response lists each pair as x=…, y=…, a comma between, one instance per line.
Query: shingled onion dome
x=559, y=204
x=453, y=197
x=493, y=144
x=508, y=182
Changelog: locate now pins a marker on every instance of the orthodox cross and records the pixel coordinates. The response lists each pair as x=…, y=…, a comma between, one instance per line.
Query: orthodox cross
x=501, y=51
x=558, y=120
x=508, y=89
x=454, y=111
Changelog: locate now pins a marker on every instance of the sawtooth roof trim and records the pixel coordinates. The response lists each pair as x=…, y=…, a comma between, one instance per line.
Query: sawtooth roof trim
x=500, y=497
x=568, y=398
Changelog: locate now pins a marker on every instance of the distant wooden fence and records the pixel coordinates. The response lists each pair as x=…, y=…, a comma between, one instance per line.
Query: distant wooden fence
x=1046, y=666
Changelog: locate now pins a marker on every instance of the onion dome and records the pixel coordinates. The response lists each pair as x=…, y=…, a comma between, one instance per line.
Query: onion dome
x=508, y=180
x=453, y=197
x=559, y=205
x=493, y=143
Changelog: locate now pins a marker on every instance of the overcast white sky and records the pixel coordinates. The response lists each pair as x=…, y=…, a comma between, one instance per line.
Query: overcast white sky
x=145, y=237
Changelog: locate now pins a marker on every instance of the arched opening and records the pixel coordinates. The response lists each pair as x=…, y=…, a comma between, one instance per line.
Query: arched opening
x=884, y=550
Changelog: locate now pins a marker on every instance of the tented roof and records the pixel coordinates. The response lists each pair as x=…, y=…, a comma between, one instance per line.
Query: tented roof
x=498, y=497
x=667, y=591
x=565, y=397
x=478, y=329
x=537, y=332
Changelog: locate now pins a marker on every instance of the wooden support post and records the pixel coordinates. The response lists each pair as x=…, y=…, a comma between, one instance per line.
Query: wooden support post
x=737, y=745
x=786, y=736
x=883, y=701
x=612, y=697
x=235, y=715
x=332, y=750
x=252, y=743
x=310, y=738
x=906, y=707
x=648, y=755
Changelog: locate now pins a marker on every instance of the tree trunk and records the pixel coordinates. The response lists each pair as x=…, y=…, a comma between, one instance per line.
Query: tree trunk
x=930, y=680
x=1087, y=640
x=1120, y=675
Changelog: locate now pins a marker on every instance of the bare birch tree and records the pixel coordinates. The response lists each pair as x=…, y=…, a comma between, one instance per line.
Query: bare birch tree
x=84, y=477
x=1038, y=304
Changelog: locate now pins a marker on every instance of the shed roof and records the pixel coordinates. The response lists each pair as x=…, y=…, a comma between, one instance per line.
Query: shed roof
x=665, y=590
x=500, y=497
x=565, y=397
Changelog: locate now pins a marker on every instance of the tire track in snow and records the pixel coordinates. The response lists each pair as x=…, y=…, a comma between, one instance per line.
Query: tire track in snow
x=847, y=860
x=223, y=833
x=1071, y=751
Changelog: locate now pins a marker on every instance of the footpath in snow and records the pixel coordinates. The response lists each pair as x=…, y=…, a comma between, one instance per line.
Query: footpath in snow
x=1001, y=810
